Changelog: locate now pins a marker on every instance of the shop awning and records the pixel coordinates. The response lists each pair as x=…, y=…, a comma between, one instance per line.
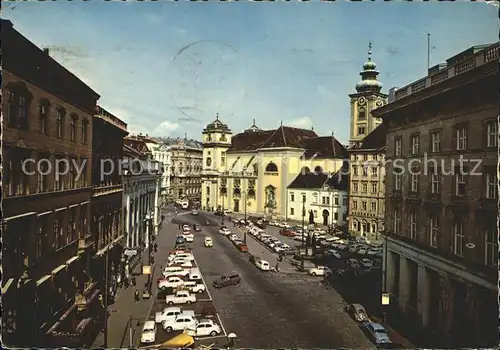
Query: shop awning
x=43, y=279
x=58, y=269
x=19, y=216
x=6, y=286
x=83, y=203
x=72, y=260
x=109, y=246
x=62, y=318
x=45, y=213
x=74, y=205
x=61, y=209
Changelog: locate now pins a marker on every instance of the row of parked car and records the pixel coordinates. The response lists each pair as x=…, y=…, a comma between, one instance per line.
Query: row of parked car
x=235, y=239
x=182, y=281
x=270, y=241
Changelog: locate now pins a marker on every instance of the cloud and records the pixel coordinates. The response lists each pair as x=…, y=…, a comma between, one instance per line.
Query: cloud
x=303, y=122
x=152, y=18
x=167, y=127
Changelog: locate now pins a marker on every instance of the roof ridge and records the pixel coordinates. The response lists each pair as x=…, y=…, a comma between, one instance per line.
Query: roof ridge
x=283, y=133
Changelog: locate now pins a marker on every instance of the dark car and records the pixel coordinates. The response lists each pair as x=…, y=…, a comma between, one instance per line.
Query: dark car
x=231, y=279
x=287, y=233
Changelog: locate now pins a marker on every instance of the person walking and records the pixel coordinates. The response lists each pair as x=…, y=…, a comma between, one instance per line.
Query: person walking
x=136, y=296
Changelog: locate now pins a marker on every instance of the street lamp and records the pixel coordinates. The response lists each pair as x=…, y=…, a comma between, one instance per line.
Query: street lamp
x=245, y=231
x=303, y=230
x=148, y=222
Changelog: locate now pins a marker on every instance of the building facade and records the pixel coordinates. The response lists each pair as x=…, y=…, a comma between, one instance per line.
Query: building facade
x=367, y=186
x=441, y=217
x=162, y=154
x=185, y=170
x=48, y=298
x=323, y=194
x=366, y=99
x=107, y=198
x=249, y=172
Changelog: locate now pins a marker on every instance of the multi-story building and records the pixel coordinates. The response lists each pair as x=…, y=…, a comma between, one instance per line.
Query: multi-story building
x=162, y=154
x=250, y=171
x=107, y=198
x=441, y=201
x=185, y=171
x=323, y=194
x=366, y=187
x=366, y=98
x=141, y=184
x=47, y=296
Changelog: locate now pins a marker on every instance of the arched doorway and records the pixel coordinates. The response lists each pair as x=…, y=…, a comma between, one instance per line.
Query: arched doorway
x=326, y=215
x=236, y=205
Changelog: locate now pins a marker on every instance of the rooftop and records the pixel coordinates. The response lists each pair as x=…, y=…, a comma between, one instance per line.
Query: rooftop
x=110, y=118
x=374, y=140
x=324, y=147
x=315, y=180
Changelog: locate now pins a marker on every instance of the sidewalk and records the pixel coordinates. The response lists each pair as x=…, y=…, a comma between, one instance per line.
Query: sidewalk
x=125, y=307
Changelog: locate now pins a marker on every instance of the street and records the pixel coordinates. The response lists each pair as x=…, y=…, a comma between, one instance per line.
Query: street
x=271, y=310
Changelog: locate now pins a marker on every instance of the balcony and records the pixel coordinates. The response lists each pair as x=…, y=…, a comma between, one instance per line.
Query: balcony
x=103, y=190
x=239, y=174
x=478, y=59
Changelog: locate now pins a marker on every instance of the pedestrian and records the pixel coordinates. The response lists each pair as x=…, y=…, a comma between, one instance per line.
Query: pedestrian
x=136, y=296
x=156, y=246
x=133, y=281
x=126, y=282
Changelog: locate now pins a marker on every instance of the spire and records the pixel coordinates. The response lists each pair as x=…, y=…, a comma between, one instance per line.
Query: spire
x=369, y=82
x=312, y=127
x=369, y=51
x=217, y=116
x=254, y=122
x=185, y=135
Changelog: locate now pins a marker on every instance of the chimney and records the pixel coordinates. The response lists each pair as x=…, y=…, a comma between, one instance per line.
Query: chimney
x=46, y=51
x=392, y=95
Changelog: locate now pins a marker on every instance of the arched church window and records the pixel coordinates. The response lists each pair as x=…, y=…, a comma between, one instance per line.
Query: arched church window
x=209, y=161
x=223, y=138
x=209, y=137
x=318, y=170
x=305, y=170
x=271, y=168
x=361, y=114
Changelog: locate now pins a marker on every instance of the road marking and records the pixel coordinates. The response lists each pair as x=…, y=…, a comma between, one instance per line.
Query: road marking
x=214, y=337
x=221, y=325
x=204, y=300
x=203, y=279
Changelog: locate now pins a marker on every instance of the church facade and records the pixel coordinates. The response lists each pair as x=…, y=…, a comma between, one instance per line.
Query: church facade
x=249, y=172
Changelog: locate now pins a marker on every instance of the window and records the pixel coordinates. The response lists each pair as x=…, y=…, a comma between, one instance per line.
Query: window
x=43, y=174
x=491, y=247
x=415, y=177
x=271, y=168
x=315, y=198
x=292, y=197
x=435, y=141
x=397, y=221
x=365, y=187
x=18, y=110
x=355, y=170
x=59, y=123
x=413, y=224
x=491, y=185
x=72, y=128
x=397, y=147
x=361, y=130
x=355, y=205
x=73, y=234
x=363, y=204
x=374, y=187
x=58, y=180
x=415, y=144
x=433, y=231
x=41, y=238
x=303, y=198
x=83, y=175
x=336, y=200
x=292, y=211
x=374, y=206
x=59, y=239
x=335, y=216
x=365, y=171
x=435, y=182
x=355, y=187
x=15, y=177
x=43, y=115
x=458, y=240
x=492, y=134
x=315, y=212
x=374, y=171
x=362, y=114
x=325, y=200
x=209, y=137
x=460, y=184
x=209, y=161
x=461, y=138
x=223, y=159
x=344, y=201
x=397, y=181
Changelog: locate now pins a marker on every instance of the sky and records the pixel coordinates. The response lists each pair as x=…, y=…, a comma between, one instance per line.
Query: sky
x=167, y=68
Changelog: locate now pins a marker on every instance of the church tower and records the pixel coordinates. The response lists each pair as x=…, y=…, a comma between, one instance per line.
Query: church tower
x=216, y=141
x=366, y=98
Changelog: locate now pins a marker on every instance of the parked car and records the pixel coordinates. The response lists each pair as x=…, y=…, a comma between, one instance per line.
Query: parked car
x=194, y=212
x=224, y=231
x=180, y=240
x=207, y=327
x=353, y=263
x=377, y=333
x=180, y=255
x=180, y=323
x=233, y=237
x=231, y=279
x=358, y=312
x=262, y=265
x=334, y=253
x=170, y=313
x=172, y=282
x=366, y=263
x=192, y=287
x=362, y=240
x=287, y=233
x=175, y=270
x=188, y=236
x=319, y=271
x=148, y=335
x=181, y=262
x=197, y=228
x=242, y=247
x=180, y=297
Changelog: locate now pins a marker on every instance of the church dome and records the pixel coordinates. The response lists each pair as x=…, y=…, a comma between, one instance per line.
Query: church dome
x=217, y=125
x=253, y=128
x=369, y=75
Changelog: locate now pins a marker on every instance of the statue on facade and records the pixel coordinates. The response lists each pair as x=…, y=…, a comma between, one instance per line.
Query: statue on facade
x=270, y=197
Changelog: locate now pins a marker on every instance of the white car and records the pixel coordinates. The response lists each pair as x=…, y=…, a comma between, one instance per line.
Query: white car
x=233, y=237
x=366, y=263
x=194, y=212
x=224, y=231
x=148, y=335
x=180, y=297
x=373, y=252
x=181, y=262
x=334, y=253
x=353, y=263
x=172, y=282
x=193, y=287
x=175, y=270
x=180, y=323
x=319, y=271
x=189, y=237
x=186, y=227
x=170, y=313
x=185, y=256
x=363, y=240
x=207, y=327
